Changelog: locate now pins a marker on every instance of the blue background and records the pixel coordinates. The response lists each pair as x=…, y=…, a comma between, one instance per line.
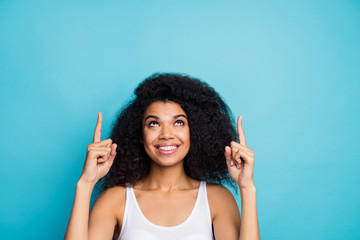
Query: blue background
x=291, y=68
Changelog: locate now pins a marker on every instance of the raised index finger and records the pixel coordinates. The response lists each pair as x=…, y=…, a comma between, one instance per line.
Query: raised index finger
x=241, y=132
x=97, y=132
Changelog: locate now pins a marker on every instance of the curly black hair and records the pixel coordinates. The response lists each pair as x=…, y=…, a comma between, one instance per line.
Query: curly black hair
x=210, y=122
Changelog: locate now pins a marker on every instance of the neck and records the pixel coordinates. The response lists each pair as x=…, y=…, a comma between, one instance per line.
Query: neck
x=166, y=178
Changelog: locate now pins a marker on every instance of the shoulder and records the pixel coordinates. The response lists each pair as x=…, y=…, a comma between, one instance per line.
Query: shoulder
x=113, y=195
x=107, y=212
x=219, y=193
x=221, y=200
x=112, y=199
x=111, y=203
x=225, y=215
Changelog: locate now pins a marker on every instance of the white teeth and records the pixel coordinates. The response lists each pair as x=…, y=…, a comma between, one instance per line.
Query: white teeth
x=168, y=148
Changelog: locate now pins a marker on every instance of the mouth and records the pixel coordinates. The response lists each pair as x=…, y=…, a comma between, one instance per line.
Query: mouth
x=167, y=149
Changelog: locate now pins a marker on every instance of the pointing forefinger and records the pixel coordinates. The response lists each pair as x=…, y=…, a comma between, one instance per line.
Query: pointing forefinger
x=97, y=132
x=241, y=132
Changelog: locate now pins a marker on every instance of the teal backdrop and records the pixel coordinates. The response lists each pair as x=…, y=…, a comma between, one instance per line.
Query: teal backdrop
x=291, y=68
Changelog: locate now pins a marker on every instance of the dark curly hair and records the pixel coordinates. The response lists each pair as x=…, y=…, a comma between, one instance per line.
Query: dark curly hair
x=210, y=122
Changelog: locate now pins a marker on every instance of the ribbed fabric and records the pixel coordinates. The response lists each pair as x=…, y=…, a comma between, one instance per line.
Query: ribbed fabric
x=196, y=227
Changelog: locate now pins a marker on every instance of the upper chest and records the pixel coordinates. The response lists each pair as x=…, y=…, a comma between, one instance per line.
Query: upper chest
x=166, y=208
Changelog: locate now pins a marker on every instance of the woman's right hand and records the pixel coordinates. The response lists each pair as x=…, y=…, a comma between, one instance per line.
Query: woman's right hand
x=99, y=156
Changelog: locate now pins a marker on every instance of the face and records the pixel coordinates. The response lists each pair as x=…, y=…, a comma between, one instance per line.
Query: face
x=166, y=133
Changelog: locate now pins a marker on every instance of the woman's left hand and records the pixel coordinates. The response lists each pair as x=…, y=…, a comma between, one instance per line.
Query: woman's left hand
x=240, y=160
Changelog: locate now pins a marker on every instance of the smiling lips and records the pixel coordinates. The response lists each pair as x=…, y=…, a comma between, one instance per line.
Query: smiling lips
x=167, y=149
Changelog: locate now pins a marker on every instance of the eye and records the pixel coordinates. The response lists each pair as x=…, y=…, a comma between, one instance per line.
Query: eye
x=153, y=124
x=179, y=123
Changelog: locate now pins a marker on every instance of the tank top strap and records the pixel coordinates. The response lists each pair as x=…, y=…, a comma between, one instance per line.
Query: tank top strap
x=202, y=189
x=202, y=208
x=128, y=206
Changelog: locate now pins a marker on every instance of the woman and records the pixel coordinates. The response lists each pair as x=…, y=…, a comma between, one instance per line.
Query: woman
x=168, y=150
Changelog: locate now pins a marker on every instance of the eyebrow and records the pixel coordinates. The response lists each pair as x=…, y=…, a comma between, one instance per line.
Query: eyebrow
x=157, y=118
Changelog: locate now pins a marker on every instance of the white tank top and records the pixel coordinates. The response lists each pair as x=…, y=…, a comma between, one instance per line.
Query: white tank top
x=197, y=226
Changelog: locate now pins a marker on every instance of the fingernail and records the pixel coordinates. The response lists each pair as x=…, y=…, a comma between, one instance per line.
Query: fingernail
x=231, y=162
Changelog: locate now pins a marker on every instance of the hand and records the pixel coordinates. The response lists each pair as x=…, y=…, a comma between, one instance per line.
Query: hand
x=99, y=156
x=240, y=160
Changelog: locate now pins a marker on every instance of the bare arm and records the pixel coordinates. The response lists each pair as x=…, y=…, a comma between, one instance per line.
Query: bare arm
x=226, y=216
x=240, y=162
x=225, y=213
x=249, y=221
x=106, y=212
x=78, y=223
x=99, y=158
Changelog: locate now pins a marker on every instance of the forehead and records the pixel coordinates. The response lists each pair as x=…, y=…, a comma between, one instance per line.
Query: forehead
x=167, y=108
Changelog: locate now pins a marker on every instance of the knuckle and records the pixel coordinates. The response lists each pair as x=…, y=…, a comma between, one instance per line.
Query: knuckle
x=251, y=152
x=106, y=142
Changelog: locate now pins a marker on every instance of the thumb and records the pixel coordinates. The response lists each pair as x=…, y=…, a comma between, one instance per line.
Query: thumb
x=227, y=154
x=113, y=152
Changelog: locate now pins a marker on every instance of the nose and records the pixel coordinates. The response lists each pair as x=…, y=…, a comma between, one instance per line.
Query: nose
x=166, y=132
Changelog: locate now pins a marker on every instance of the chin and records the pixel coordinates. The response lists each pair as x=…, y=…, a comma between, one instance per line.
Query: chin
x=168, y=163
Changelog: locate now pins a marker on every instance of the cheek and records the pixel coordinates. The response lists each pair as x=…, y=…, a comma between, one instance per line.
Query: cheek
x=147, y=138
x=185, y=136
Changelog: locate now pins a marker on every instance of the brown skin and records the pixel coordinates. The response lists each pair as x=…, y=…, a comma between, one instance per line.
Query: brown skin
x=106, y=215
x=166, y=185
